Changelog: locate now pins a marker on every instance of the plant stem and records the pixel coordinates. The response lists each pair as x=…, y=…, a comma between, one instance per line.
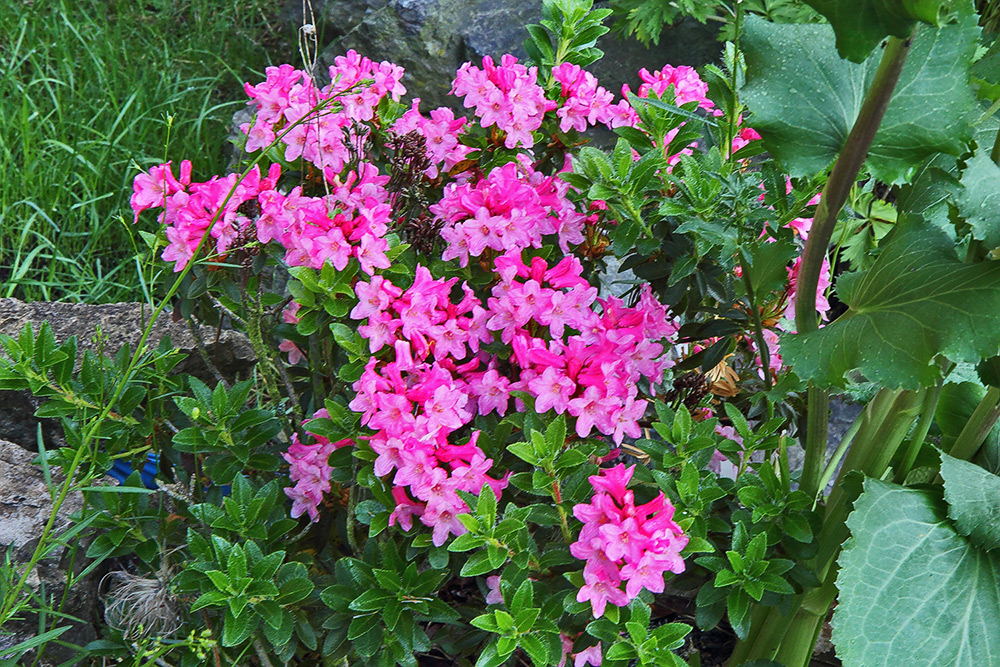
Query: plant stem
x=920, y=434
x=800, y=640
x=258, y=648
x=835, y=193
x=995, y=153
x=842, y=178
x=838, y=454
x=758, y=326
x=982, y=421
x=817, y=425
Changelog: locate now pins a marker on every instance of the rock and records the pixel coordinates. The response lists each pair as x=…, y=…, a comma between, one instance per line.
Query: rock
x=432, y=38
x=25, y=507
x=119, y=324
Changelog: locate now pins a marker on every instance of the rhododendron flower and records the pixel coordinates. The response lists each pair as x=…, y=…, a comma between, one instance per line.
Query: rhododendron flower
x=822, y=304
x=622, y=542
x=309, y=469
x=506, y=95
x=493, y=595
x=588, y=656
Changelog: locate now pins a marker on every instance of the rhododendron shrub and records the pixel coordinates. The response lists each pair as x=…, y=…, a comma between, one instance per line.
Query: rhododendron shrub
x=518, y=390
x=474, y=409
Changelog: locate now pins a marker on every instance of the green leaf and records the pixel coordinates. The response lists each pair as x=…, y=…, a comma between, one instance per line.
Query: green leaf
x=973, y=497
x=767, y=267
x=478, y=564
x=979, y=201
x=535, y=649
x=237, y=629
x=917, y=301
x=486, y=508
x=805, y=99
x=555, y=434
x=490, y=657
x=861, y=24
x=219, y=578
x=912, y=590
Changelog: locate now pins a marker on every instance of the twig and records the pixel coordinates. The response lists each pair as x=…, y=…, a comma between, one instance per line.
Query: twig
x=203, y=353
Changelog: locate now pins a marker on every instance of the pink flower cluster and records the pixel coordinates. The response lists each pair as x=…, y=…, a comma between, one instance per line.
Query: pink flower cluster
x=585, y=103
x=288, y=96
x=688, y=86
x=512, y=208
x=441, y=132
x=190, y=208
x=309, y=469
x=418, y=399
x=349, y=222
x=592, y=375
x=622, y=542
x=822, y=304
x=506, y=96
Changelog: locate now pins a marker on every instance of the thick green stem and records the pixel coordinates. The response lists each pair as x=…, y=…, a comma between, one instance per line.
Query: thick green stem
x=766, y=629
x=838, y=187
x=870, y=455
x=800, y=640
x=995, y=153
x=843, y=177
x=982, y=421
x=920, y=434
x=817, y=425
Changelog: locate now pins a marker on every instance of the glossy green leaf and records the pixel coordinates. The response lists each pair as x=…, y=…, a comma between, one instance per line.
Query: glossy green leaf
x=979, y=200
x=973, y=497
x=805, y=99
x=917, y=301
x=861, y=24
x=912, y=590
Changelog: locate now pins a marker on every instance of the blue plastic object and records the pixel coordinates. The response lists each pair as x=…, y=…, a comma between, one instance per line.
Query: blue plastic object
x=122, y=469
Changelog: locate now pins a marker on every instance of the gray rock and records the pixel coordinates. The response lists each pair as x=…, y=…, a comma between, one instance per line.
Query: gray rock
x=432, y=38
x=119, y=324
x=25, y=507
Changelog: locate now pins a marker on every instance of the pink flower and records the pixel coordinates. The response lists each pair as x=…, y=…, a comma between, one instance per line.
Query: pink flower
x=552, y=390
x=600, y=593
x=493, y=595
x=295, y=355
x=588, y=656
x=621, y=541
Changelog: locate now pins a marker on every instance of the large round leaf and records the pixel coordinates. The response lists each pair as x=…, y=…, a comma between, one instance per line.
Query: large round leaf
x=805, y=98
x=917, y=301
x=913, y=591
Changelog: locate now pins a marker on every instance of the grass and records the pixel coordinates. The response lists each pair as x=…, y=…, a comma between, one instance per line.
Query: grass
x=91, y=92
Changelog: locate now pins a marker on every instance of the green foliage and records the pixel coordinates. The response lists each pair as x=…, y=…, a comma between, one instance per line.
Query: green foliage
x=973, y=497
x=743, y=574
x=895, y=326
x=860, y=26
x=646, y=19
x=979, y=202
x=805, y=138
x=233, y=438
x=946, y=614
x=568, y=34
